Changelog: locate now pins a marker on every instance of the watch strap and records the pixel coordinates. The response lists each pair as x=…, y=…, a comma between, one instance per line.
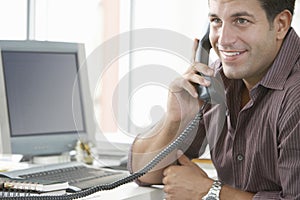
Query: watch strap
x=214, y=191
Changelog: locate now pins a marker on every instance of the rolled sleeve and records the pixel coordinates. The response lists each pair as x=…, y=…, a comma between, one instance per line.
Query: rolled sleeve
x=266, y=195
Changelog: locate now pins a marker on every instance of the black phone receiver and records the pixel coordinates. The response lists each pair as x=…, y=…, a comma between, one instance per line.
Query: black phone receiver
x=202, y=56
x=215, y=92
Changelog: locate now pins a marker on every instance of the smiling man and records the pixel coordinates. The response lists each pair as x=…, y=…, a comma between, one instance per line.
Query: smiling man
x=257, y=153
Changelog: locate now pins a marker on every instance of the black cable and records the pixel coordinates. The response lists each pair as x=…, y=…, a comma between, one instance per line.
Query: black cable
x=171, y=147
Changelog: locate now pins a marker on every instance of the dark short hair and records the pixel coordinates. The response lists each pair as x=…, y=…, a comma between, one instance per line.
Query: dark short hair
x=274, y=7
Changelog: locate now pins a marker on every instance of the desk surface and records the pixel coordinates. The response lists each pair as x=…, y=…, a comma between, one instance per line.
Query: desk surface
x=132, y=191
x=129, y=191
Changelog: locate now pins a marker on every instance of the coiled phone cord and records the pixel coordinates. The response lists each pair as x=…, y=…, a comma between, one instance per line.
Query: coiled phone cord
x=171, y=147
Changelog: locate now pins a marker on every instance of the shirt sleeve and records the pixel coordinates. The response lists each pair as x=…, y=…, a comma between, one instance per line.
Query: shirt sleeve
x=129, y=167
x=289, y=154
x=192, y=148
x=266, y=195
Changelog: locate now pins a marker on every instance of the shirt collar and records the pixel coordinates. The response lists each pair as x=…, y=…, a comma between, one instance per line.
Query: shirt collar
x=284, y=62
x=282, y=66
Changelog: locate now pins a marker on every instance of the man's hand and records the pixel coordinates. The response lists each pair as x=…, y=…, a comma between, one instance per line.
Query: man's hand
x=183, y=103
x=185, y=181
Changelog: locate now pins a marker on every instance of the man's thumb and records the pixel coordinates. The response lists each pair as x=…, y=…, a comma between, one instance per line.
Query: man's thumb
x=183, y=159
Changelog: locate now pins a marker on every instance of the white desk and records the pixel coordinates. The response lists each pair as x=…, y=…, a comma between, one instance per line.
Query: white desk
x=132, y=191
x=129, y=191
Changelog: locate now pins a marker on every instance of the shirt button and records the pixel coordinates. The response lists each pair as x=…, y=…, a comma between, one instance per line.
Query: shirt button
x=240, y=157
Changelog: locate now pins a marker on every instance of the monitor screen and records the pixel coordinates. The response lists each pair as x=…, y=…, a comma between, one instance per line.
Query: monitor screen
x=39, y=89
x=47, y=103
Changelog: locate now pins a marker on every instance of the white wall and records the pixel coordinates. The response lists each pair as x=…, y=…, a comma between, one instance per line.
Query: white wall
x=296, y=20
x=184, y=17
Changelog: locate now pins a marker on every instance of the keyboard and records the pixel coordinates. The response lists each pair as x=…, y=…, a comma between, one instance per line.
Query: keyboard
x=78, y=175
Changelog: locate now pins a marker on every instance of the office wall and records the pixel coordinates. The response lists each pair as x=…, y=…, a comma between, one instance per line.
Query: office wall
x=296, y=20
x=184, y=17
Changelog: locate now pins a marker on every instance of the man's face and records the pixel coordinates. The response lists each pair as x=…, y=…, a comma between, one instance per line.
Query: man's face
x=242, y=37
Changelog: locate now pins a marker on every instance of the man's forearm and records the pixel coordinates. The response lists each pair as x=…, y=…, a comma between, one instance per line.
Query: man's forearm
x=228, y=192
x=146, y=147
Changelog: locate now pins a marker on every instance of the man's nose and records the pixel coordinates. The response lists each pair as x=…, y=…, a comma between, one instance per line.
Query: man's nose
x=227, y=35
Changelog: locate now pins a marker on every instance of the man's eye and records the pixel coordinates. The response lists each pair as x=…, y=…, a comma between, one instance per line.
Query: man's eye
x=242, y=21
x=216, y=21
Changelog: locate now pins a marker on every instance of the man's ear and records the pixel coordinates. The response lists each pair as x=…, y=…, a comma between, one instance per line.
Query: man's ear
x=282, y=23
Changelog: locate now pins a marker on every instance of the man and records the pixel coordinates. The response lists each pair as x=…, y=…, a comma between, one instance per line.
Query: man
x=257, y=153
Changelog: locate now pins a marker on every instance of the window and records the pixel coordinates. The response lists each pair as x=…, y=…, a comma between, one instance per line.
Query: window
x=69, y=21
x=13, y=19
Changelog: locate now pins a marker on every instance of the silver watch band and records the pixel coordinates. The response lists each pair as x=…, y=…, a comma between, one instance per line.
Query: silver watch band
x=214, y=192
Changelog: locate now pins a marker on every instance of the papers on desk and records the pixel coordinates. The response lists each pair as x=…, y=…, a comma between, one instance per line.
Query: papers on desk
x=27, y=194
x=9, y=162
x=31, y=187
x=11, y=158
x=28, y=187
x=207, y=166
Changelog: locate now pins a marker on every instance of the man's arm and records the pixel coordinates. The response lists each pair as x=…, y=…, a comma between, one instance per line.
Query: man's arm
x=147, y=147
x=182, y=106
x=188, y=181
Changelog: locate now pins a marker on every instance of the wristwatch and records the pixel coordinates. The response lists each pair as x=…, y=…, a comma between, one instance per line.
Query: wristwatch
x=214, y=192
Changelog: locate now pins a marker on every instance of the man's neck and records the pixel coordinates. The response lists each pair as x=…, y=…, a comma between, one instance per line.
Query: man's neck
x=245, y=97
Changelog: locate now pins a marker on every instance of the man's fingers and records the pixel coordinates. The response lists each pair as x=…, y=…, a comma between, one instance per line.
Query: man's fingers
x=204, y=69
x=183, y=160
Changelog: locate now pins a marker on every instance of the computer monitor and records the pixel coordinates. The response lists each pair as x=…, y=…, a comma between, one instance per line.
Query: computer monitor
x=45, y=104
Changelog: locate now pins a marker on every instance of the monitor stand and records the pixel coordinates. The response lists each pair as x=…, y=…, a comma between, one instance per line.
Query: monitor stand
x=51, y=159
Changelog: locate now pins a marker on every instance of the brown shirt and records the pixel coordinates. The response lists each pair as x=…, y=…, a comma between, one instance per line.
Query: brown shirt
x=257, y=149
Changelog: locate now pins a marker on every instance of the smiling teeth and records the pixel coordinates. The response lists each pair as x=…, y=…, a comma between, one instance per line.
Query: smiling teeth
x=231, y=53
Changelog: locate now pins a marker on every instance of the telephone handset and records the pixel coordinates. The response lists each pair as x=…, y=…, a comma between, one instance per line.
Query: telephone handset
x=214, y=94
x=204, y=94
x=202, y=56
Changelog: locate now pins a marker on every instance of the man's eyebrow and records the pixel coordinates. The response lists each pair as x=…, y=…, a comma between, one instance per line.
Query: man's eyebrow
x=212, y=15
x=238, y=14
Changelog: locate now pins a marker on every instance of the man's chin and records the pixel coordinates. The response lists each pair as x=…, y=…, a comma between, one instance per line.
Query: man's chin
x=230, y=74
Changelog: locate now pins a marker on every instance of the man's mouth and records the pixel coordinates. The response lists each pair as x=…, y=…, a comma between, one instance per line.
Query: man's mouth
x=231, y=55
